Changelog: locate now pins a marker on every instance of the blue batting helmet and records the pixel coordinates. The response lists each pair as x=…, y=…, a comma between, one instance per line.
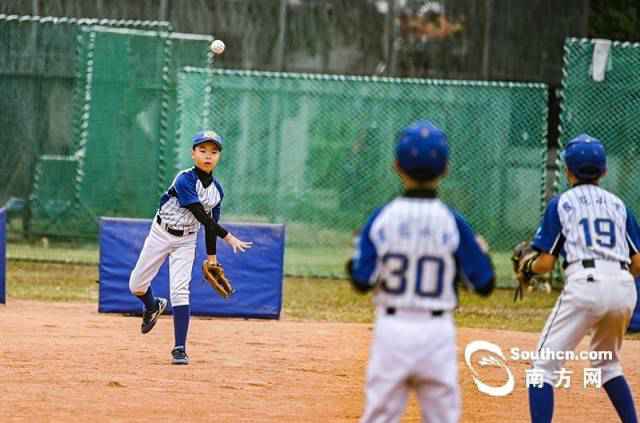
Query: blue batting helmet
x=207, y=136
x=422, y=151
x=585, y=157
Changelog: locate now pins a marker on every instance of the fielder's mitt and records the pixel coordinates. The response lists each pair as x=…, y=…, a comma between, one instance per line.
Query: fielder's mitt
x=522, y=257
x=214, y=274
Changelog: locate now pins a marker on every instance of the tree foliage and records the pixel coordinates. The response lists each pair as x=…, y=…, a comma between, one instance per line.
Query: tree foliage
x=615, y=20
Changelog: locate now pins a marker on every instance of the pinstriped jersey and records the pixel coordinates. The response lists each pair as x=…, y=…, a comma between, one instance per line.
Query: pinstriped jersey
x=588, y=222
x=413, y=247
x=187, y=189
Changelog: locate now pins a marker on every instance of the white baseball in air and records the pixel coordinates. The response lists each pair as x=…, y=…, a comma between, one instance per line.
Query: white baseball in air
x=217, y=46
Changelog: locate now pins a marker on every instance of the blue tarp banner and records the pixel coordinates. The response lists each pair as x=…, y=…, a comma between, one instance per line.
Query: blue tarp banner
x=634, y=326
x=256, y=274
x=3, y=254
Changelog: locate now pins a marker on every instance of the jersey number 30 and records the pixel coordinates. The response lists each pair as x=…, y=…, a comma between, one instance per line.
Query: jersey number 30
x=605, y=231
x=398, y=264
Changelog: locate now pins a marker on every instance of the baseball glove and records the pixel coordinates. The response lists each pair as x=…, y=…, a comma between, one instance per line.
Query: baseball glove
x=522, y=258
x=214, y=274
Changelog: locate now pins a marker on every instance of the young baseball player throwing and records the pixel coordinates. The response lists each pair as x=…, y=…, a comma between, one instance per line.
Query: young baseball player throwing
x=410, y=250
x=598, y=236
x=193, y=199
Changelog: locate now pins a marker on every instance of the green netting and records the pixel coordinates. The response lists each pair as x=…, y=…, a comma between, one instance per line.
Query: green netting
x=315, y=152
x=608, y=110
x=121, y=143
x=37, y=56
x=124, y=123
x=188, y=49
x=193, y=92
x=53, y=202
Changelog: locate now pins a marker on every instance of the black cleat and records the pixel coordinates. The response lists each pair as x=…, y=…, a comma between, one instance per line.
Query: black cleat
x=179, y=356
x=149, y=318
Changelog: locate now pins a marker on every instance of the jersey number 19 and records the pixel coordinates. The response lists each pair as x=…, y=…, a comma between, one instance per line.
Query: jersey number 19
x=605, y=231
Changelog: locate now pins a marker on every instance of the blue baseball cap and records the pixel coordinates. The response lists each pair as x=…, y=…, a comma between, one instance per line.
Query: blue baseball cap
x=207, y=136
x=422, y=151
x=585, y=157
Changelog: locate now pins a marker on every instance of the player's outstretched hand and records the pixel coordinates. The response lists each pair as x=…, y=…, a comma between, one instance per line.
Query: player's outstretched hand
x=484, y=245
x=237, y=244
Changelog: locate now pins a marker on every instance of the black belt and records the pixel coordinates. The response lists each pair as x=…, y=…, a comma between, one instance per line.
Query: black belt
x=434, y=313
x=591, y=264
x=174, y=232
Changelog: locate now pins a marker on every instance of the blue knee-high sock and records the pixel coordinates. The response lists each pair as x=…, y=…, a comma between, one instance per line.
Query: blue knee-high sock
x=541, y=403
x=148, y=300
x=181, y=316
x=620, y=395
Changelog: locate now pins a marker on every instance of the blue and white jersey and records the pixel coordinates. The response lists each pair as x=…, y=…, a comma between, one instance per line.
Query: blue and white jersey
x=588, y=222
x=414, y=247
x=188, y=189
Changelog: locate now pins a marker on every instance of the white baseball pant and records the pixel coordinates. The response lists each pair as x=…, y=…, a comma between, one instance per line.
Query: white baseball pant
x=158, y=245
x=598, y=300
x=412, y=350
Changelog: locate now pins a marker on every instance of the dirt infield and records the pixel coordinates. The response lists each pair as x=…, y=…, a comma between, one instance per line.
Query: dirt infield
x=65, y=362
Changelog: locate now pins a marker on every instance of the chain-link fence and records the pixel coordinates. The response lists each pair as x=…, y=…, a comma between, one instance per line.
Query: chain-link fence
x=37, y=64
x=123, y=129
x=98, y=115
x=316, y=152
x=312, y=151
x=608, y=110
